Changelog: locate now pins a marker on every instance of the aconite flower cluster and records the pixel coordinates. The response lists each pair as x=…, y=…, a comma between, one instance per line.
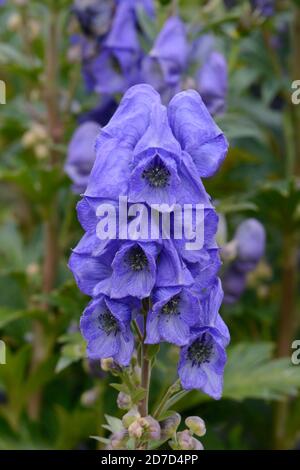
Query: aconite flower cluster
x=152, y=154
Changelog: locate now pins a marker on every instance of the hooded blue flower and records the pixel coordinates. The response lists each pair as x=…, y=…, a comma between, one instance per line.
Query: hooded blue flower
x=211, y=317
x=197, y=132
x=94, y=17
x=112, y=63
x=234, y=284
x=211, y=77
x=122, y=39
x=175, y=310
x=250, y=239
x=151, y=155
x=163, y=174
x=202, y=362
x=126, y=268
x=102, y=113
x=104, y=74
x=105, y=325
x=212, y=81
x=249, y=242
x=205, y=271
x=265, y=7
x=168, y=58
x=81, y=155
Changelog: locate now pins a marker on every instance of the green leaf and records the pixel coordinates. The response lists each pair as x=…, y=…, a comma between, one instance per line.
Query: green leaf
x=120, y=387
x=138, y=395
x=8, y=316
x=72, y=351
x=252, y=373
x=100, y=439
x=11, y=56
x=114, y=424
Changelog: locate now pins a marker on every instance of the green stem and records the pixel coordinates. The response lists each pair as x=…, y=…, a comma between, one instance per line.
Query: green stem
x=169, y=392
x=145, y=364
x=138, y=331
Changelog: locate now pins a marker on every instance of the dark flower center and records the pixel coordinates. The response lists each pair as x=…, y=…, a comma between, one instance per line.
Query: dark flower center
x=157, y=175
x=172, y=307
x=95, y=19
x=108, y=323
x=200, y=351
x=137, y=259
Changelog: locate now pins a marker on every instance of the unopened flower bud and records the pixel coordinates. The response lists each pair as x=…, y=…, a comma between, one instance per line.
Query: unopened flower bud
x=124, y=401
x=89, y=397
x=130, y=417
x=117, y=440
x=108, y=364
x=196, y=425
x=136, y=429
x=151, y=428
x=185, y=440
x=197, y=444
x=170, y=425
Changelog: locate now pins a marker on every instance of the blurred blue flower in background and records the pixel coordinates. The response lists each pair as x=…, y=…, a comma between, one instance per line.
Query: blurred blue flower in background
x=81, y=155
x=249, y=247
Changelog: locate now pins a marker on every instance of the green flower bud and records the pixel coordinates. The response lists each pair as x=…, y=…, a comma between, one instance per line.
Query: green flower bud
x=170, y=425
x=118, y=440
x=185, y=440
x=108, y=365
x=196, y=425
x=151, y=428
x=136, y=429
x=124, y=401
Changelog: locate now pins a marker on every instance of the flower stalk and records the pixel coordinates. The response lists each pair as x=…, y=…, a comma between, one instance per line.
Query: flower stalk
x=145, y=364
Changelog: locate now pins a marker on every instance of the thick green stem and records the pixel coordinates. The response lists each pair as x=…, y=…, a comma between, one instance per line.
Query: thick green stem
x=145, y=381
x=145, y=365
